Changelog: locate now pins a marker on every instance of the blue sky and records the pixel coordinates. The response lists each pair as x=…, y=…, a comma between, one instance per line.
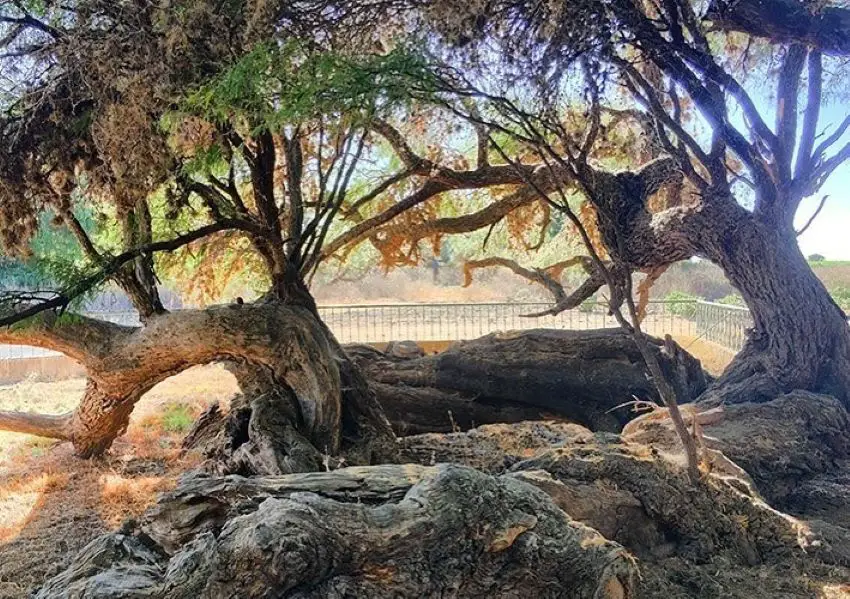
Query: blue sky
x=829, y=234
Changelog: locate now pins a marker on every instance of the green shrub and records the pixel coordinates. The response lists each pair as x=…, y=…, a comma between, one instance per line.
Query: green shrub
x=681, y=303
x=587, y=305
x=733, y=299
x=177, y=418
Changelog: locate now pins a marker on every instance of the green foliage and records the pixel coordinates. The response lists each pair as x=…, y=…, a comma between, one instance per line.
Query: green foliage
x=278, y=85
x=733, y=299
x=587, y=305
x=682, y=304
x=816, y=258
x=55, y=260
x=47, y=317
x=841, y=295
x=177, y=418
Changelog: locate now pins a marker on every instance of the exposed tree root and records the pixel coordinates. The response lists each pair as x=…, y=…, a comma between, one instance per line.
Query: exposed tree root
x=454, y=532
x=446, y=530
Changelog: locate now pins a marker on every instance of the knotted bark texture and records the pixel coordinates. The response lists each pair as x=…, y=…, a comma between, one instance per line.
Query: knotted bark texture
x=389, y=531
x=508, y=377
x=304, y=399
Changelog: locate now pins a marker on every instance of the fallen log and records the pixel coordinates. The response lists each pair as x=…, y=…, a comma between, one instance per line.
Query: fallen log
x=581, y=376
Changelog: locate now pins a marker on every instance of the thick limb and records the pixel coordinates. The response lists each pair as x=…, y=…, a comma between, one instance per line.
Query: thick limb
x=287, y=343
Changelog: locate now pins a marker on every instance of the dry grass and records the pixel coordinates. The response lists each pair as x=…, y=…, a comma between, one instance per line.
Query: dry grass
x=715, y=358
x=52, y=504
x=835, y=591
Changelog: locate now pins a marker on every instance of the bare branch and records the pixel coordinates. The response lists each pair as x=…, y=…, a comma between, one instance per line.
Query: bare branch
x=111, y=266
x=539, y=276
x=410, y=158
x=813, y=216
x=820, y=150
x=822, y=172
x=811, y=116
x=786, y=107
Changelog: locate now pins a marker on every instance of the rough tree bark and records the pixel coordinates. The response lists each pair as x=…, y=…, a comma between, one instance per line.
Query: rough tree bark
x=506, y=377
x=821, y=26
x=800, y=338
x=447, y=530
x=388, y=531
x=300, y=380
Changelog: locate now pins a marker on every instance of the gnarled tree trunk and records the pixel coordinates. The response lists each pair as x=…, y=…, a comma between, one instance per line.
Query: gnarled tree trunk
x=800, y=338
x=280, y=350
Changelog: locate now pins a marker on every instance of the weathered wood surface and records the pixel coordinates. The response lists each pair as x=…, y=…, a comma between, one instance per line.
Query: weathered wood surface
x=320, y=399
x=552, y=510
x=521, y=375
x=781, y=444
x=454, y=532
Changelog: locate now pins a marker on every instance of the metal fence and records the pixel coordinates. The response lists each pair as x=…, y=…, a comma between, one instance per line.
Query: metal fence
x=370, y=323
x=377, y=323
x=723, y=324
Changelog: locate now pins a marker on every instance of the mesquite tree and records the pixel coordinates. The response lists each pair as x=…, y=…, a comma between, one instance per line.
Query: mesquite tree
x=216, y=126
x=245, y=126
x=239, y=131
x=704, y=174
x=154, y=118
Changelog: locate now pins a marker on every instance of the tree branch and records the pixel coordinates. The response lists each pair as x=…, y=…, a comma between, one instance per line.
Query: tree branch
x=410, y=158
x=539, y=276
x=813, y=216
x=786, y=21
x=112, y=265
x=822, y=172
x=442, y=180
x=786, y=108
x=820, y=150
x=41, y=425
x=811, y=117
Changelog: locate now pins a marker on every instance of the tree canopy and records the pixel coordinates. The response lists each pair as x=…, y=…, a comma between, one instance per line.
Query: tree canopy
x=271, y=137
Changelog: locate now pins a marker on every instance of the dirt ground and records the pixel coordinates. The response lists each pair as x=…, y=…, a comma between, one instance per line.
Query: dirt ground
x=52, y=504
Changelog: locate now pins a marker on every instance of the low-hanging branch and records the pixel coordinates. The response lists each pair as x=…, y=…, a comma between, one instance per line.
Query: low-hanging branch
x=539, y=276
x=111, y=266
x=548, y=277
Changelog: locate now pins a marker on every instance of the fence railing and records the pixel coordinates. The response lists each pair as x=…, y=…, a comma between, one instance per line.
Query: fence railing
x=370, y=323
x=723, y=324
x=377, y=323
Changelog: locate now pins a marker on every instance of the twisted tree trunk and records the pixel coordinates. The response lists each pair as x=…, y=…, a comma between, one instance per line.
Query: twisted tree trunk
x=278, y=348
x=800, y=338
